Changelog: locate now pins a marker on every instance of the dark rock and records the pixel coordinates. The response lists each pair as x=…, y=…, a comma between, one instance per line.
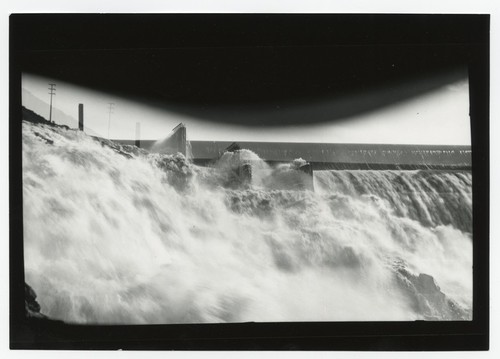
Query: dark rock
x=426, y=297
x=31, y=306
x=114, y=146
x=33, y=117
x=134, y=150
x=47, y=140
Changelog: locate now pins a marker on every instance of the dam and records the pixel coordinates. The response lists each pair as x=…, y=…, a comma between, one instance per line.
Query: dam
x=321, y=156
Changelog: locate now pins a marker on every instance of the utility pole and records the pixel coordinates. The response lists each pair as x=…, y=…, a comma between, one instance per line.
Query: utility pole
x=52, y=92
x=111, y=109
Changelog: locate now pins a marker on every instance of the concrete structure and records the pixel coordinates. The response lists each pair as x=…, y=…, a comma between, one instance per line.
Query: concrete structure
x=175, y=142
x=178, y=138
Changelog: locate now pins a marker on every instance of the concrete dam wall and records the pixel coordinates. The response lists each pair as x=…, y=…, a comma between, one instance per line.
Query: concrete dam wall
x=339, y=156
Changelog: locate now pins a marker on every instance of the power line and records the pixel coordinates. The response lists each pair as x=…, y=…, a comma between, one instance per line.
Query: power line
x=111, y=109
x=52, y=92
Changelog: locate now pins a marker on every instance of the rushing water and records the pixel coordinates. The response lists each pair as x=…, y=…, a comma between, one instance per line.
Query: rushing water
x=119, y=235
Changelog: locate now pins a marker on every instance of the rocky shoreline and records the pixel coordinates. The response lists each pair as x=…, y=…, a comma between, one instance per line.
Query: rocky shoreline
x=31, y=306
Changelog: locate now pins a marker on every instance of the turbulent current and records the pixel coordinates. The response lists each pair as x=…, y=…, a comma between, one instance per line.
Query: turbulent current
x=114, y=234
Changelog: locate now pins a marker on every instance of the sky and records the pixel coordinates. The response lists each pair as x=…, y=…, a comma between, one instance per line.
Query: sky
x=347, y=79
x=440, y=116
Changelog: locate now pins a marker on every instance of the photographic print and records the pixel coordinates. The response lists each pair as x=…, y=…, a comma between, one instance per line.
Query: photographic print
x=173, y=174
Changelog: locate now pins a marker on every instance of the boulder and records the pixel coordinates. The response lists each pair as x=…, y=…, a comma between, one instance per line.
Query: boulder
x=31, y=306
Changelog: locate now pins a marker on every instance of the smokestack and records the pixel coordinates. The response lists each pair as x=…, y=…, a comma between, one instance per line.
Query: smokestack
x=138, y=134
x=80, y=117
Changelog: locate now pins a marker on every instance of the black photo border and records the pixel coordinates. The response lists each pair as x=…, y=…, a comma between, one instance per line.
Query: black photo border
x=469, y=31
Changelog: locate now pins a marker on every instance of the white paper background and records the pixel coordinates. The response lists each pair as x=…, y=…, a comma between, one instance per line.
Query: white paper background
x=253, y=6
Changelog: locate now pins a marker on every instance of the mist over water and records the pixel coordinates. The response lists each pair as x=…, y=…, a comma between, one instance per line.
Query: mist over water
x=125, y=236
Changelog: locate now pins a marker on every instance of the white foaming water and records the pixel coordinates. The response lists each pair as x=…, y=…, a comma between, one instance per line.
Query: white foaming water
x=154, y=239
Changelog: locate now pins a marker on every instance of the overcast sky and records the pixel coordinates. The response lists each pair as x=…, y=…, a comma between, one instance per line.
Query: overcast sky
x=440, y=116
